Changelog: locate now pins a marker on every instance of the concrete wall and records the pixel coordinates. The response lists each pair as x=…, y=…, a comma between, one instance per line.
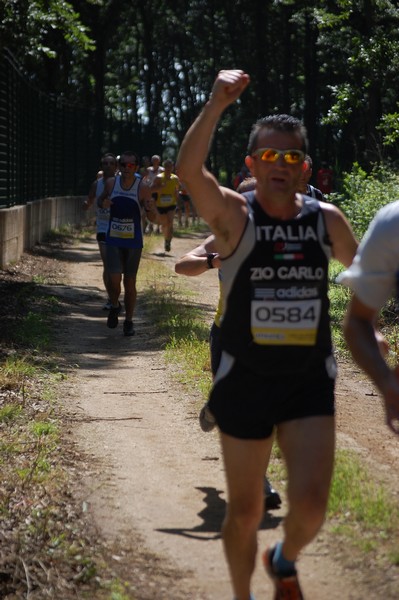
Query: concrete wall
x=21, y=227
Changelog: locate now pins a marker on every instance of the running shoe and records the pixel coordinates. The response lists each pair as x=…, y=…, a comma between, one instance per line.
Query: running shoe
x=128, y=328
x=113, y=315
x=107, y=305
x=167, y=245
x=287, y=587
x=206, y=419
x=272, y=497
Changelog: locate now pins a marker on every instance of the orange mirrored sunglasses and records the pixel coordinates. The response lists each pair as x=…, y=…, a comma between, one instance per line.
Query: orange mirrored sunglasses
x=292, y=157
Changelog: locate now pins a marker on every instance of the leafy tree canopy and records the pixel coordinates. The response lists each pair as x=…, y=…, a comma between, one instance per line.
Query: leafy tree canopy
x=333, y=63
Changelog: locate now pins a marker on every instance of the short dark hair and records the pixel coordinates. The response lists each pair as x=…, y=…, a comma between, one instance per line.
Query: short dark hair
x=131, y=153
x=309, y=161
x=247, y=185
x=108, y=155
x=285, y=123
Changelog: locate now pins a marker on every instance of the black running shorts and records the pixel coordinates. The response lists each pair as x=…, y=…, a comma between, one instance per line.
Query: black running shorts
x=248, y=406
x=165, y=209
x=123, y=260
x=216, y=350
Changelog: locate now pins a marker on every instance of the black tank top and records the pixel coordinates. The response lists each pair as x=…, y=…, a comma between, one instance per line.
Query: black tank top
x=275, y=284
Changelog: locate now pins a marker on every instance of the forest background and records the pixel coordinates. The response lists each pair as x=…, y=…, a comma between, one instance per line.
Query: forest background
x=333, y=64
x=150, y=67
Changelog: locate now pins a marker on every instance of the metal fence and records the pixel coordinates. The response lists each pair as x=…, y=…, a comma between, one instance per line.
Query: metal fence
x=48, y=147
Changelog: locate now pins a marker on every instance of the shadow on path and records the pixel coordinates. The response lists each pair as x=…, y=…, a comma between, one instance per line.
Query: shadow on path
x=212, y=518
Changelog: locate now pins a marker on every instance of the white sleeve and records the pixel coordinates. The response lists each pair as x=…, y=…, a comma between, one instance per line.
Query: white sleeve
x=373, y=275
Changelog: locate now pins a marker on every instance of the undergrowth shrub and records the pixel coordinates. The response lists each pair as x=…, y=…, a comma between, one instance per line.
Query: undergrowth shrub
x=363, y=194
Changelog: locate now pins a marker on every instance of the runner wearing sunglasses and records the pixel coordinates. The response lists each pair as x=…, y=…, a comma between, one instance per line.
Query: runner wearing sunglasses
x=277, y=370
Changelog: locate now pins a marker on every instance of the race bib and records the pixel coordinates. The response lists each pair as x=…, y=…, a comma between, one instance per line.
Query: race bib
x=121, y=229
x=166, y=199
x=285, y=322
x=103, y=215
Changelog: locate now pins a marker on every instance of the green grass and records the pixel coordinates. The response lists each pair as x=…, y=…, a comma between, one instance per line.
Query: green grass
x=14, y=370
x=356, y=497
x=362, y=511
x=197, y=369
x=118, y=591
x=33, y=331
x=184, y=335
x=339, y=296
x=41, y=519
x=9, y=412
x=200, y=227
x=44, y=428
x=66, y=234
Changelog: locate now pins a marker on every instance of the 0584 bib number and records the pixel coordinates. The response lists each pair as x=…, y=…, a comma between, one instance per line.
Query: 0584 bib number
x=285, y=322
x=284, y=314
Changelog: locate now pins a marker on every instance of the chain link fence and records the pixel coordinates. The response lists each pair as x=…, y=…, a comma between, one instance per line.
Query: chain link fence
x=49, y=148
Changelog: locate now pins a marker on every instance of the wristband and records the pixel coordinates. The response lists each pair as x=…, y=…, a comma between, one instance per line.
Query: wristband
x=209, y=259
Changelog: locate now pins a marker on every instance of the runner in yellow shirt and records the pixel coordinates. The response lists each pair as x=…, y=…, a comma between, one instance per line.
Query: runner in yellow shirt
x=167, y=186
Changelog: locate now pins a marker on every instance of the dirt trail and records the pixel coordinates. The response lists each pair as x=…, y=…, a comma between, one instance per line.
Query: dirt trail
x=156, y=480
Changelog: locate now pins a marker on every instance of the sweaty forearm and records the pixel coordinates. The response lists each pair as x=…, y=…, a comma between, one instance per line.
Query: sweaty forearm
x=192, y=265
x=360, y=336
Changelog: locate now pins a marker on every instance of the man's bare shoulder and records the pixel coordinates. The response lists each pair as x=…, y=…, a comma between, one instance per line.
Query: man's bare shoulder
x=332, y=213
x=328, y=206
x=233, y=197
x=230, y=223
x=344, y=243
